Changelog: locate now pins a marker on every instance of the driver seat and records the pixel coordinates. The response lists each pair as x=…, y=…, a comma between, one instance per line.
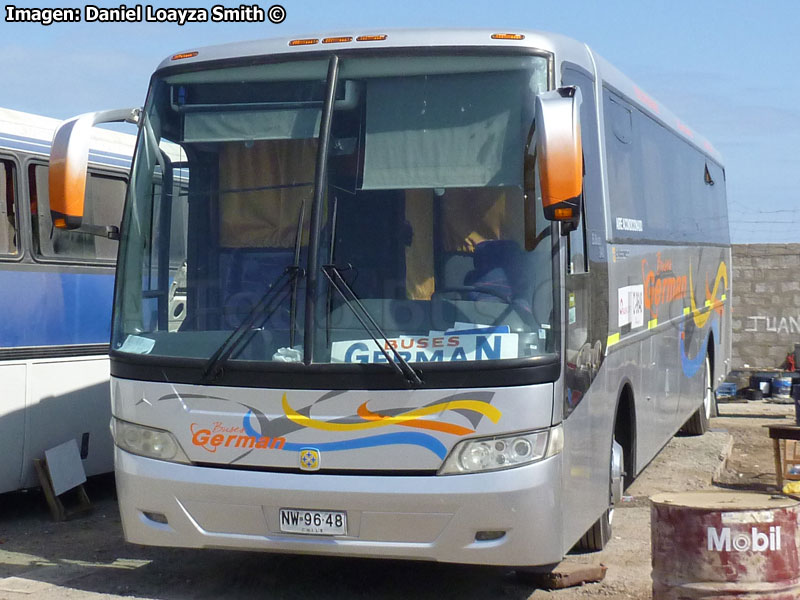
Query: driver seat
x=499, y=274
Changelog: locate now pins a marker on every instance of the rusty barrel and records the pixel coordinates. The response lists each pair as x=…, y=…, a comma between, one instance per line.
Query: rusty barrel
x=725, y=545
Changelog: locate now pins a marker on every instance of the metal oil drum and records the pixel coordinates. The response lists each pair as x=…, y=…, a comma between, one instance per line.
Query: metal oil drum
x=725, y=545
x=782, y=388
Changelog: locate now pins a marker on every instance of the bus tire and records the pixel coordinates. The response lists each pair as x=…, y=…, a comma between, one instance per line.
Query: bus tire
x=598, y=535
x=698, y=422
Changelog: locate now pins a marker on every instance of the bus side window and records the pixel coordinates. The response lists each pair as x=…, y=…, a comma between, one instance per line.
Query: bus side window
x=576, y=245
x=105, y=195
x=592, y=204
x=8, y=222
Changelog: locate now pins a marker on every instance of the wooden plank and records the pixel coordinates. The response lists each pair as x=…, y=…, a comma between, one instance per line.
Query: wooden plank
x=565, y=574
x=57, y=508
x=784, y=432
x=776, y=449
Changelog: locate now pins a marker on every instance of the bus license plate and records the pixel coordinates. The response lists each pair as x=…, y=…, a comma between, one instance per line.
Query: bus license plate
x=316, y=522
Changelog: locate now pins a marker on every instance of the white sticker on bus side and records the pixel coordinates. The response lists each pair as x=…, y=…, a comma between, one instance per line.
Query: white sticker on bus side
x=624, y=224
x=630, y=301
x=623, y=307
x=636, y=305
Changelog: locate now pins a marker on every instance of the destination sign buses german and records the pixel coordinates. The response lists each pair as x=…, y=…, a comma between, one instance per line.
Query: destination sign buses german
x=467, y=341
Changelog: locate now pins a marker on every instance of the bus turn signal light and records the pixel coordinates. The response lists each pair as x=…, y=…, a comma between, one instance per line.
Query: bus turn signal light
x=508, y=36
x=305, y=42
x=184, y=55
x=371, y=38
x=337, y=40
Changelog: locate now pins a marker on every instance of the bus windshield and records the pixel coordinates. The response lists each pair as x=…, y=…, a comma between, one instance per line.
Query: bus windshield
x=423, y=217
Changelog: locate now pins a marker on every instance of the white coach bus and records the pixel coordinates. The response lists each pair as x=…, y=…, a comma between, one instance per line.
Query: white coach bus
x=425, y=294
x=56, y=288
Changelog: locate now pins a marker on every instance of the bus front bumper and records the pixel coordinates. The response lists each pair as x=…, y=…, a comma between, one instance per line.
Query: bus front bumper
x=445, y=518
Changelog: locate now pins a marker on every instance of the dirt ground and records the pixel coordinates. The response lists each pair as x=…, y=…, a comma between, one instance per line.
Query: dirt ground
x=87, y=558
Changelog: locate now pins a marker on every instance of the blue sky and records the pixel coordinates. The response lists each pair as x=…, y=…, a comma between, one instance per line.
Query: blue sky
x=727, y=68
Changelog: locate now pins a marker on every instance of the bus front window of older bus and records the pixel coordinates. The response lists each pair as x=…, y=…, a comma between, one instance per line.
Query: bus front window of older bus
x=421, y=246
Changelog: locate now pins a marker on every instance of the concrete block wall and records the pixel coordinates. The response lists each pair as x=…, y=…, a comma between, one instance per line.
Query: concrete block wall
x=766, y=304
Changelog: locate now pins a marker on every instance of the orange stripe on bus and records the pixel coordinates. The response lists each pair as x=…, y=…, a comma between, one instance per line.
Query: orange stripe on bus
x=368, y=415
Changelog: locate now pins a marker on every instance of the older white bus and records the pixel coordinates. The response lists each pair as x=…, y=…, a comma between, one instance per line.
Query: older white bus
x=56, y=288
x=423, y=294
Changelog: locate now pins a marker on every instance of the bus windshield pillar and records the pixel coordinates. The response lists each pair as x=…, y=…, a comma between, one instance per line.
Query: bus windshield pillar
x=316, y=208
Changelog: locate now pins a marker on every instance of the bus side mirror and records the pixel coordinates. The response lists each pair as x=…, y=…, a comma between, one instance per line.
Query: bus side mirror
x=559, y=154
x=69, y=160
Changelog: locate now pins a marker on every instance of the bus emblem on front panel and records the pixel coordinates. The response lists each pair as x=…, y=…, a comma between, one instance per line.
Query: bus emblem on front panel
x=309, y=459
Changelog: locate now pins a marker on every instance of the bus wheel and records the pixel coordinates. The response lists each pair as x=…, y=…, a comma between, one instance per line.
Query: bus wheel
x=698, y=422
x=598, y=535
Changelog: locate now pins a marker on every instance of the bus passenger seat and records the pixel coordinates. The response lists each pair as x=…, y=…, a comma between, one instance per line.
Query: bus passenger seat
x=499, y=274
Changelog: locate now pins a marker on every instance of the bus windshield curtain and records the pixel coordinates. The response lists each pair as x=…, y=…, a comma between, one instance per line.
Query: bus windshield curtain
x=230, y=125
x=460, y=130
x=262, y=186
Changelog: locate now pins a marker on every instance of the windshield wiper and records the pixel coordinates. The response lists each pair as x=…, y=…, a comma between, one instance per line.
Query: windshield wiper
x=261, y=311
x=298, y=236
x=334, y=275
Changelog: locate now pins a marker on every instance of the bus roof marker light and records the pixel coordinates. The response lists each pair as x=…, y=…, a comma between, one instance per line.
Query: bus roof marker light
x=183, y=55
x=337, y=40
x=508, y=36
x=371, y=38
x=304, y=42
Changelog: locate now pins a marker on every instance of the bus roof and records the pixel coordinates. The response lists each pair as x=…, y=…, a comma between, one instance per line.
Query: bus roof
x=614, y=78
x=565, y=49
x=394, y=38
x=34, y=133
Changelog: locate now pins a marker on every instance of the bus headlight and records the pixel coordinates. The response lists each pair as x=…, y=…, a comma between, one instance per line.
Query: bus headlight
x=147, y=441
x=503, y=452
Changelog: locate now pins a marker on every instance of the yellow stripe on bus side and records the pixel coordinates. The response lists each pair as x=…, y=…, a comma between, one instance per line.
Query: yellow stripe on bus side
x=686, y=310
x=652, y=323
x=612, y=339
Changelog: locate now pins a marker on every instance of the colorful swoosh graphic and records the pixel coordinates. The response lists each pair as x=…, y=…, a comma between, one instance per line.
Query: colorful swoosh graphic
x=409, y=418
x=711, y=296
x=691, y=366
x=411, y=438
x=368, y=415
x=371, y=420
